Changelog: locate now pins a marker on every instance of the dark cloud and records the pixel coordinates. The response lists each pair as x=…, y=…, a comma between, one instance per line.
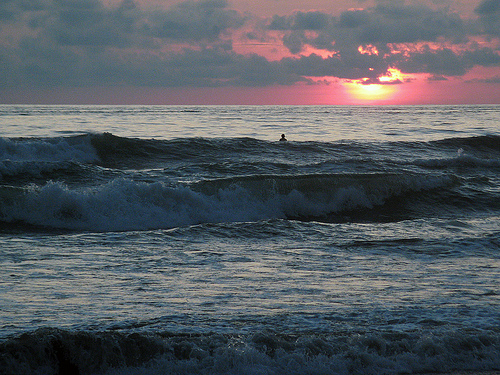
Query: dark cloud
x=44, y=65
x=437, y=62
x=436, y=78
x=300, y=21
x=493, y=80
x=488, y=7
x=310, y=21
x=8, y=9
x=192, y=20
x=354, y=67
x=84, y=43
x=280, y=23
x=489, y=14
x=89, y=23
x=386, y=23
x=13, y=9
x=383, y=27
x=410, y=24
x=483, y=57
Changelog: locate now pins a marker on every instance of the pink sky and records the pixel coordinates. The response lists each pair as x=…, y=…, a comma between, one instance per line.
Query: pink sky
x=250, y=52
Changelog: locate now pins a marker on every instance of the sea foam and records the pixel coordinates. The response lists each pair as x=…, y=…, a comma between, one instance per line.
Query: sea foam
x=34, y=156
x=259, y=352
x=124, y=204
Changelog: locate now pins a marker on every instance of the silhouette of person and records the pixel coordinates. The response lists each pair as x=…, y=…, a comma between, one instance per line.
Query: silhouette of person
x=282, y=137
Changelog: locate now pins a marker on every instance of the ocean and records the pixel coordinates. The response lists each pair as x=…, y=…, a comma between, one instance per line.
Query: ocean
x=190, y=240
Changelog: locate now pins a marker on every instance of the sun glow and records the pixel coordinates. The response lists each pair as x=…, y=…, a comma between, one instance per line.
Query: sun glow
x=393, y=76
x=378, y=90
x=370, y=92
x=368, y=50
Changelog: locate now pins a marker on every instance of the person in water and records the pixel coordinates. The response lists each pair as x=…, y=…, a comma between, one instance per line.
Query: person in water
x=282, y=137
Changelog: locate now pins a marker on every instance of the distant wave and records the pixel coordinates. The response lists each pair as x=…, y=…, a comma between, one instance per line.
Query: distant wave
x=35, y=155
x=110, y=147
x=113, y=149
x=107, y=148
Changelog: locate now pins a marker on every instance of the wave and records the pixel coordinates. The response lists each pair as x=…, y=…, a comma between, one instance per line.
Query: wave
x=123, y=204
x=486, y=143
x=87, y=147
x=37, y=156
x=108, y=146
x=101, y=182
x=77, y=148
x=109, y=150
x=460, y=161
x=85, y=352
x=113, y=149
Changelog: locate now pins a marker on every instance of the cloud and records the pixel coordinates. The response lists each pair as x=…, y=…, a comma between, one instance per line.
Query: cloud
x=437, y=78
x=192, y=20
x=488, y=80
x=217, y=65
x=425, y=35
x=489, y=14
x=353, y=67
x=483, y=56
x=85, y=43
x=89, y=23
x=442, y=62
x=12, y=9
x=313, y=20
x=386, y=23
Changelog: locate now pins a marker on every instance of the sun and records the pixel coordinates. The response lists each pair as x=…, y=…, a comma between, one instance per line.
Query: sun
x=381, y=90
x=369, y=92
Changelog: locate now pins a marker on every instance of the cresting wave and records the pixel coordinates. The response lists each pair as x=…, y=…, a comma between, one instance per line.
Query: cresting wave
x=78, y=148
x=48, y=351
x=123, y=204
x=38, y=156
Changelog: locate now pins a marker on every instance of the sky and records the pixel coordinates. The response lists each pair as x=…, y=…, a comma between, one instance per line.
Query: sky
x=250, y=52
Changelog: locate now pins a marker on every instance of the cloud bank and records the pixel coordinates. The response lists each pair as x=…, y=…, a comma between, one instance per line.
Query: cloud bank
x=83, y=43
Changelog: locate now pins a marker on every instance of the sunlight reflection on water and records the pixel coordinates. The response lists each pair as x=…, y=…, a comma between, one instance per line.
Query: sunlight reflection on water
x=324, y=123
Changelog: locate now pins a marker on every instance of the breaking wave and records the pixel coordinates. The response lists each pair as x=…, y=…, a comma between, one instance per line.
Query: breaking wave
x=123, y=204
x=102, y=182
x=48, y=351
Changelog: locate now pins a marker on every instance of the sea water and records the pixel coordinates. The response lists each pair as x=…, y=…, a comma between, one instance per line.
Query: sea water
x=190, y=240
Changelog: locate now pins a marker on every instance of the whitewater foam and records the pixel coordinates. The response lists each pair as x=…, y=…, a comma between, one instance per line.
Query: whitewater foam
x=261, y=352
x=36, y=156
x=49, y=149
x=123, y=204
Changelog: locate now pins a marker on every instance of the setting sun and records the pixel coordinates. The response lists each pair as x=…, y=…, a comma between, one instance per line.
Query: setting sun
x=360, y=91
x=382, y=89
